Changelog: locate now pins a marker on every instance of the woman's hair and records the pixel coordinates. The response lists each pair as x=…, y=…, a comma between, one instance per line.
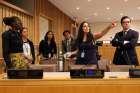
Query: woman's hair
x=46, y=36
x=81, y=34
x=14, y=22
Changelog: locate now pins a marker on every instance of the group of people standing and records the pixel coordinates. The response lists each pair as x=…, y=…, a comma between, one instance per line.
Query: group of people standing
x=83, y=47
x=18, y=50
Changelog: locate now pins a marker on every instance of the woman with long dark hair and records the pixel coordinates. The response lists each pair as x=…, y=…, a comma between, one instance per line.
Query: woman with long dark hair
x=47, y=47
x=86, y=51
x=12, y=44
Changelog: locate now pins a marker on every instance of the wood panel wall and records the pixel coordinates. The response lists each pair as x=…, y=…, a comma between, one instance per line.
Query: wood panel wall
x=107, y=52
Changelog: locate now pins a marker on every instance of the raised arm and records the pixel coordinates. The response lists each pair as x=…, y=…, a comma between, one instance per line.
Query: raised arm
x=102, y=33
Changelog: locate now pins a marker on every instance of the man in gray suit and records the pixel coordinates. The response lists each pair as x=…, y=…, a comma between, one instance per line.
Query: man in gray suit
x=68, y=44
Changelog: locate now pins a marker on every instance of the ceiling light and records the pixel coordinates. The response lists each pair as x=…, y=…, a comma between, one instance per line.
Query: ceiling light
x=138, y=7
x=77, y=8
x=95, y=14
x=107, y=8
x=125, y=0
x=89, y=0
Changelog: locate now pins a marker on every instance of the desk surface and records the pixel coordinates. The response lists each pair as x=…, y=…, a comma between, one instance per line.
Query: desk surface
x=64, y=78
x=60, y=82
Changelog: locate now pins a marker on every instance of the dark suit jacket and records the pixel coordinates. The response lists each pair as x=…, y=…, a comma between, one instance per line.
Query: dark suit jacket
x=64, y=45
x=32, y=50
x=125, y=54
x=45, y=48
x=11, y=43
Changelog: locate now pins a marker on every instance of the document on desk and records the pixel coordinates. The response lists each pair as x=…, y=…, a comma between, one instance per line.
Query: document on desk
x=116, y=75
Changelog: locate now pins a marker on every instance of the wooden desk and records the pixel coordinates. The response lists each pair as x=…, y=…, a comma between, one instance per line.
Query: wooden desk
x=61, y=83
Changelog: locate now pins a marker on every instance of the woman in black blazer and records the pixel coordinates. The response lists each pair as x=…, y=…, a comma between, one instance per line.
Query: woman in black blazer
x=12, y=44
x=47, y=47
x=28, y=47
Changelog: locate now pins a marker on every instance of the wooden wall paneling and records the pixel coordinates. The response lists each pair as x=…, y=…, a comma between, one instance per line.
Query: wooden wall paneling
x=36, y=20
x=7, y=11
x=62, y=26
x=44, y=7
x=3, y=15
x=16, y=13
x=13, y=12
x=2, y=66
x=138, y=53
x=10, y=11
x=29, y=28
x=1, y=30
x=107, y=52
x=26, y=21
x=32, y=30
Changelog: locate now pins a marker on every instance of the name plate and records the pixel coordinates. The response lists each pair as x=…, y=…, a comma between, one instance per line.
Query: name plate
x=25, y=74
x=86, y=73
x=134, y=73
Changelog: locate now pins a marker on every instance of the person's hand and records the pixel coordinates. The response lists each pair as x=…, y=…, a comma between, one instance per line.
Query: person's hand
x=54, y=56
x=28, y=58
x=125, y=42
x=67, y=55
x=113, y=24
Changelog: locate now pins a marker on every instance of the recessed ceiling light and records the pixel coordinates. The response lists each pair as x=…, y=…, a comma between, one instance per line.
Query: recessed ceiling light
x=138, y=7
x=77, y=8
x=121, y=14
x=107, y=8
x=89, y=0
x=125, y=0
x=95, y=14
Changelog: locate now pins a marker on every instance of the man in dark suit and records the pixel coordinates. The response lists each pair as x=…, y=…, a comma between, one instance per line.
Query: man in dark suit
x=125, y=42
x=68, y=44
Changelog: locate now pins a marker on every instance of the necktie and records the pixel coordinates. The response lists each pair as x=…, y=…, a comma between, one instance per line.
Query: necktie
x=68, y=45
x=124, y=34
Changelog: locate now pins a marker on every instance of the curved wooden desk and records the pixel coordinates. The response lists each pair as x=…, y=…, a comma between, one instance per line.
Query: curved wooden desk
x=61, y=83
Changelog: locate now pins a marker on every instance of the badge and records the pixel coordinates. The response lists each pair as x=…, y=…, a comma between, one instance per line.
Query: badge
x=83, y=54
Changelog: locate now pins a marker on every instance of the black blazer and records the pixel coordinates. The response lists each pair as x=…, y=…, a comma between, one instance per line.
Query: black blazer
x=72, y=45
x=11, y=43
x=125, y=54
x=45, y=48
x=32, y=50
